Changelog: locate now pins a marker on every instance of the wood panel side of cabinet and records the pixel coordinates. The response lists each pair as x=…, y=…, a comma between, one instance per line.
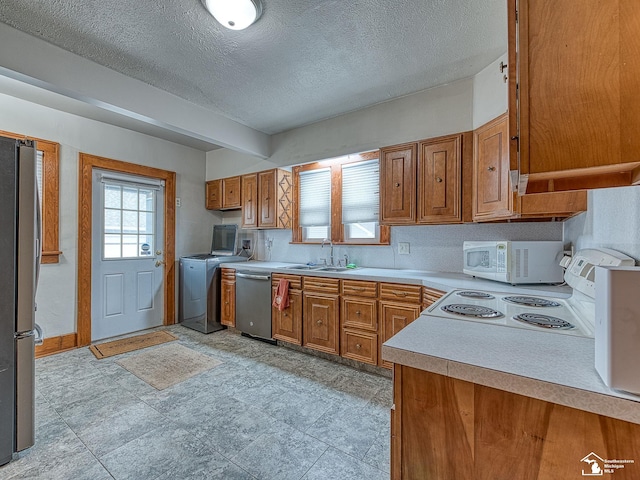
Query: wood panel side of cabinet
x=492, y=195
x=213, y=194
x=284, y=198
x=440, y=180
x=228, y=297
x=398, y=184
x=496, y=434
x=249, y=201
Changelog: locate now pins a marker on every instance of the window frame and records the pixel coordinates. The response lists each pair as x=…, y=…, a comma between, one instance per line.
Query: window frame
x=337, y=227
x=50, y=201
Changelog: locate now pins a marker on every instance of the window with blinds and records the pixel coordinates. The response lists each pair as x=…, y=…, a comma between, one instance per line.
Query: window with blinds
x=315, y=204
x=361, y=200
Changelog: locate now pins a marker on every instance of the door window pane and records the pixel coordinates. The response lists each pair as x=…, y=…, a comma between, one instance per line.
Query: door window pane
x=129, y=219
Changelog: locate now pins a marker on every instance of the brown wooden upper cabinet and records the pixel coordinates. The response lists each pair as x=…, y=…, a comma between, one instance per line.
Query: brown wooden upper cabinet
x=574, y=78
x=398, y=184
x=223, y=194
x=493, y=196
x=267, y=199
x=423, y=182
x=214, y=194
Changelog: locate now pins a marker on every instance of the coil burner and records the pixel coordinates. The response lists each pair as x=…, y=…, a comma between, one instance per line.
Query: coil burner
x=544, y=321
x=476, y=295
x=475, y=311
x=531, y=301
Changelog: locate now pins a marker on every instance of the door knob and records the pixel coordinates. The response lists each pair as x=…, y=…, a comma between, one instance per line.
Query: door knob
x=158, y=252
x=158, y=263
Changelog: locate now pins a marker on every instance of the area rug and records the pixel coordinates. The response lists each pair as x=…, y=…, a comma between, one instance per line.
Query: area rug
x=129, y=344
x=167, y=365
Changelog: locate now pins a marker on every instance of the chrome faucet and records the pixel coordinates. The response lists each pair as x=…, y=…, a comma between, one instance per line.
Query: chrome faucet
x=330, y=251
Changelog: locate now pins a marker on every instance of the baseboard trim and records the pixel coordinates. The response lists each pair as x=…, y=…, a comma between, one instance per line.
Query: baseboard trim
x=57, y=344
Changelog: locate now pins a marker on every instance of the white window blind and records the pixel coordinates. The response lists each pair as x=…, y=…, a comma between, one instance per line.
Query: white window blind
x=315, y=198
x=360, y=192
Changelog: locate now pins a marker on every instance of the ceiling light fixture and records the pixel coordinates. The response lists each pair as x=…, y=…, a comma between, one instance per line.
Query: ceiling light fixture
x=234, y=14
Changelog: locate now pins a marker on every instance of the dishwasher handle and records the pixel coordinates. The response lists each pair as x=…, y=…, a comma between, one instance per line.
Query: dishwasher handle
x=253, y=276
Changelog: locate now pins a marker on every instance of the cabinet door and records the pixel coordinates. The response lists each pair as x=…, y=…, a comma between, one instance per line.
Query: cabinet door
x=267, y=195
x=359, y=345
x=439, y=181
x=228, y=299
x=360, y=313
x=287, y=323
x=398, y=184
x=214, y=194
x=394, y=317
x=492, y=195
x=321, y=322
x=249, y=201
x=578, y=79
x=231, y=194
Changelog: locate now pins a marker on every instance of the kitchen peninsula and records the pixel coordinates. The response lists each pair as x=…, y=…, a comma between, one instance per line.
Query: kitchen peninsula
x=511, y=403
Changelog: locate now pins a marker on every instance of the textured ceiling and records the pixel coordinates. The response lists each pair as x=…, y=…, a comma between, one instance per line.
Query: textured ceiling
x=303, y=61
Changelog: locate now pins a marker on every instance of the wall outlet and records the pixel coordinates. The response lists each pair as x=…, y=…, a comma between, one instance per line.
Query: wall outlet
x=403, y=248
x=246, y=244
x=178, y=202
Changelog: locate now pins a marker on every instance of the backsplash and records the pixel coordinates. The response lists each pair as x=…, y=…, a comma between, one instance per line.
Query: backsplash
x=434, y=248
x=612, y=220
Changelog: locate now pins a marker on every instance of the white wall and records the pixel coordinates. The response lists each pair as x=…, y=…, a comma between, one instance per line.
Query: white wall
x=490, y=93
x=612, y=220
x=58, y=282
x=430, y=113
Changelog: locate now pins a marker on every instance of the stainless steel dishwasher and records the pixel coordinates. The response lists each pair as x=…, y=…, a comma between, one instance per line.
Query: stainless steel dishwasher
x=253, y=304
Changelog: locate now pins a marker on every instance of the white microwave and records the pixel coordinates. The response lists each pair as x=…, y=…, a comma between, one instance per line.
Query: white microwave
x=514, y=262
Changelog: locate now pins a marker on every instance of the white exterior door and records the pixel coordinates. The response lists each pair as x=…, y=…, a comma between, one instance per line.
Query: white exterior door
x=127, y=259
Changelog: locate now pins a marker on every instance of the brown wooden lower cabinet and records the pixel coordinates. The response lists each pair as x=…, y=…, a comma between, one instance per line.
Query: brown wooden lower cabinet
x=321, y=322
x=394, y=317
x=286, y=325
x=228, y=297
x=444, y=429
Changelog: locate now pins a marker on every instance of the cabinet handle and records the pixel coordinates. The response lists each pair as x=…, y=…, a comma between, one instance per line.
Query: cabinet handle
x=400, y=294
x=319, y=322
x=397, y=184
x=286, y=315
x=438, y=179
x=357, y=312
x=358, y=289
x=358, y=346
x=491, y=169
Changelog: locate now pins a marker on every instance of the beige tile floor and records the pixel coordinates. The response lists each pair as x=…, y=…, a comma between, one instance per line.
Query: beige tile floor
x=266, y=412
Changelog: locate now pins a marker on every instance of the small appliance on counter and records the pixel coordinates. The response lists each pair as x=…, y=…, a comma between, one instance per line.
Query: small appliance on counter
x=514, y=262
x=200, y=279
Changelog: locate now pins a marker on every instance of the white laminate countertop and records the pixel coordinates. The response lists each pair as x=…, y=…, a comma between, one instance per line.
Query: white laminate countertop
x=545, y=365
x=437, y=280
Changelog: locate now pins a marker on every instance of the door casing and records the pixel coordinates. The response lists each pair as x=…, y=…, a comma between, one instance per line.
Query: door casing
x=87, y=164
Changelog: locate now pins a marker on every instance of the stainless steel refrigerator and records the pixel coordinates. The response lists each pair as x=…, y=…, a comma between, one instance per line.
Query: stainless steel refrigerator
x=19, y=263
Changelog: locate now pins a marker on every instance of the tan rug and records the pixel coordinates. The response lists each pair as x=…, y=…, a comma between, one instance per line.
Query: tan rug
x=164, y=366
x=129, y=344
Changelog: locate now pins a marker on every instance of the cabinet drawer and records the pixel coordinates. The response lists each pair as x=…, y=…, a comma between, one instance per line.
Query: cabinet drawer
x=400, y=292
x=360, y=346
x=321, y=284
x=360, y=313
x=295, y=281
x=430, y=295
x=359, y=288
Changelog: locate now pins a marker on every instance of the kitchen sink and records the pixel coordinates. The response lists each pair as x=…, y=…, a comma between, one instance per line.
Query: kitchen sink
x=334, y=269
x=303, y=267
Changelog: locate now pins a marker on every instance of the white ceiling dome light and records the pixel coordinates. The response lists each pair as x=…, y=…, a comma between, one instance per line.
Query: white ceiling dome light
x=234, y=14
